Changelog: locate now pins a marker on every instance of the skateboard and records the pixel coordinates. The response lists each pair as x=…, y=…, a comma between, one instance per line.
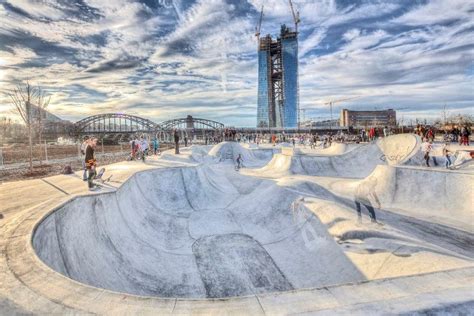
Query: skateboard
x=99, y=178
x=99, y=175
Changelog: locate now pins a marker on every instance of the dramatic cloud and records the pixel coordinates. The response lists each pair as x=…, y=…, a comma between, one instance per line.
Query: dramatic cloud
x=168, y=58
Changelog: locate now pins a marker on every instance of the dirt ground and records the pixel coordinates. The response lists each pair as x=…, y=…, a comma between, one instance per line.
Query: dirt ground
x=61, y=156
x=17, y=153
x=46, y=170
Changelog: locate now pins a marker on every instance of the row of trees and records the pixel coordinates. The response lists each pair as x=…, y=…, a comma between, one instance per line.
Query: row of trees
x=30, y=104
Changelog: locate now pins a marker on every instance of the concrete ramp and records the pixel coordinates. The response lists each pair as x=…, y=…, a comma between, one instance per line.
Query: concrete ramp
x=341, y=160
x=398, y=149
x=431, y=192
x=229, y=151
x=191, y=232
x=235, y=265
x=334, y=149
x=356, y=163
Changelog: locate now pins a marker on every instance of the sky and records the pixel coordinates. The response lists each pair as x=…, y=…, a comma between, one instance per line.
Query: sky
x=164, y=59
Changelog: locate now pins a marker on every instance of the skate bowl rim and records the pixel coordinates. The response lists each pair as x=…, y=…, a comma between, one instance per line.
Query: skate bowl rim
x=77, y=295
x=47, y=212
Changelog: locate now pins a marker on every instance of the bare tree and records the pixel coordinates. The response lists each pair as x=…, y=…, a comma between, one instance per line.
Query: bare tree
x=22, y=98
x=40, y=107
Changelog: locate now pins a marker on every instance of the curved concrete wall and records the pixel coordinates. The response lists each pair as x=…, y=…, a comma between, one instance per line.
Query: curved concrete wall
x=356, y=163
x=433, y=192
x=191, y=232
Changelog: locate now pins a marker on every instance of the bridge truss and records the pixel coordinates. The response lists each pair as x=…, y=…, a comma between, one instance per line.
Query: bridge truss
x=119, y=126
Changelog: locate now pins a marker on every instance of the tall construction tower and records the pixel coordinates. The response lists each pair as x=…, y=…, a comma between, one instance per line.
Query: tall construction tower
x=278, y=91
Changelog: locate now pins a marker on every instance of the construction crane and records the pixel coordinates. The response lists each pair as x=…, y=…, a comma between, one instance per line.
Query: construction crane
x=296, y=19
x=259, y=25
x=296, y=16
x=304, y=114
x=333, y=102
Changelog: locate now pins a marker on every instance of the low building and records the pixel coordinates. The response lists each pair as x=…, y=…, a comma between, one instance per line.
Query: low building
x=363, y=119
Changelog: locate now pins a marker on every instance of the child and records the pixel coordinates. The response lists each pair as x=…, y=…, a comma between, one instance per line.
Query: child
x=239, y=161
x=426, y=148
x=446, y=154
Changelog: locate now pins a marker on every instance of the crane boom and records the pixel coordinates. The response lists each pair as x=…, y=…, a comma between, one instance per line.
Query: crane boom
x=259, y=25
x=296, y=16
x=332, y=102
x=340, y=100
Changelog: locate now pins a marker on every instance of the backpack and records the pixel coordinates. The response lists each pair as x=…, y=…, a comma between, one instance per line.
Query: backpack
x=67, y=170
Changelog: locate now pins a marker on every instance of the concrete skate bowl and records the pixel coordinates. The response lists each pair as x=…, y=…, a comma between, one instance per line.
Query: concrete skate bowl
x=191, y=232
x=251, y=156
x=356, y=162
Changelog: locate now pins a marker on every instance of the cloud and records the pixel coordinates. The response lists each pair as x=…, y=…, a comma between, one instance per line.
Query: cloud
x=438, y=11
x=163, y=59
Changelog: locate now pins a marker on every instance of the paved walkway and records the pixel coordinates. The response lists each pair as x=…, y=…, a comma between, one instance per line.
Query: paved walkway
x=27, y=285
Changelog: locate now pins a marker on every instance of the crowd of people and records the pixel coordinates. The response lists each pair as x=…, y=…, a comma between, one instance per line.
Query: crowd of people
x=454, y=135
x=140, y=148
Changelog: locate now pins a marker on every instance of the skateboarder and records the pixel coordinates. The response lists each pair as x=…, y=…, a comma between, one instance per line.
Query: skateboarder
x=364, y=193
x=239, y=161
x=91, y=164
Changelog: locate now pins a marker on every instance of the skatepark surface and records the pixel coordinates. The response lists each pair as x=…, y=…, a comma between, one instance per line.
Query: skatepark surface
x=189, y=233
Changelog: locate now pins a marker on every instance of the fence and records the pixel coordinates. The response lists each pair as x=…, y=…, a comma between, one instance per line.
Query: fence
x=17, y=156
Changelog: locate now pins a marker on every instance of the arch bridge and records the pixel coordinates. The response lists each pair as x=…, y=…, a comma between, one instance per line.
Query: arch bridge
x=191, y=123
x=120, y=125
x=111, y=123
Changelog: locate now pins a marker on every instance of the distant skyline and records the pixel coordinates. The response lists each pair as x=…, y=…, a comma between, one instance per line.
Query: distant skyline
x=165, y=59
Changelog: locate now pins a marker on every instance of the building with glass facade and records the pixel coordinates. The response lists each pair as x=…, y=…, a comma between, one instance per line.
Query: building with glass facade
x=366, y=119
x=277, y=102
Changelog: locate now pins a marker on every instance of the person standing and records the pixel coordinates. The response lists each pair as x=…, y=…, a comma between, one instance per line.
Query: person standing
x=432, y=154
x=144, y=148
x=185, y=140
x=446, y=154
x=465, y=133
x=84, y=145
x=364, y=193
x=156, y=145
x=430, y=134
x=425, y=149
x=91, y=163
x=176, y=142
